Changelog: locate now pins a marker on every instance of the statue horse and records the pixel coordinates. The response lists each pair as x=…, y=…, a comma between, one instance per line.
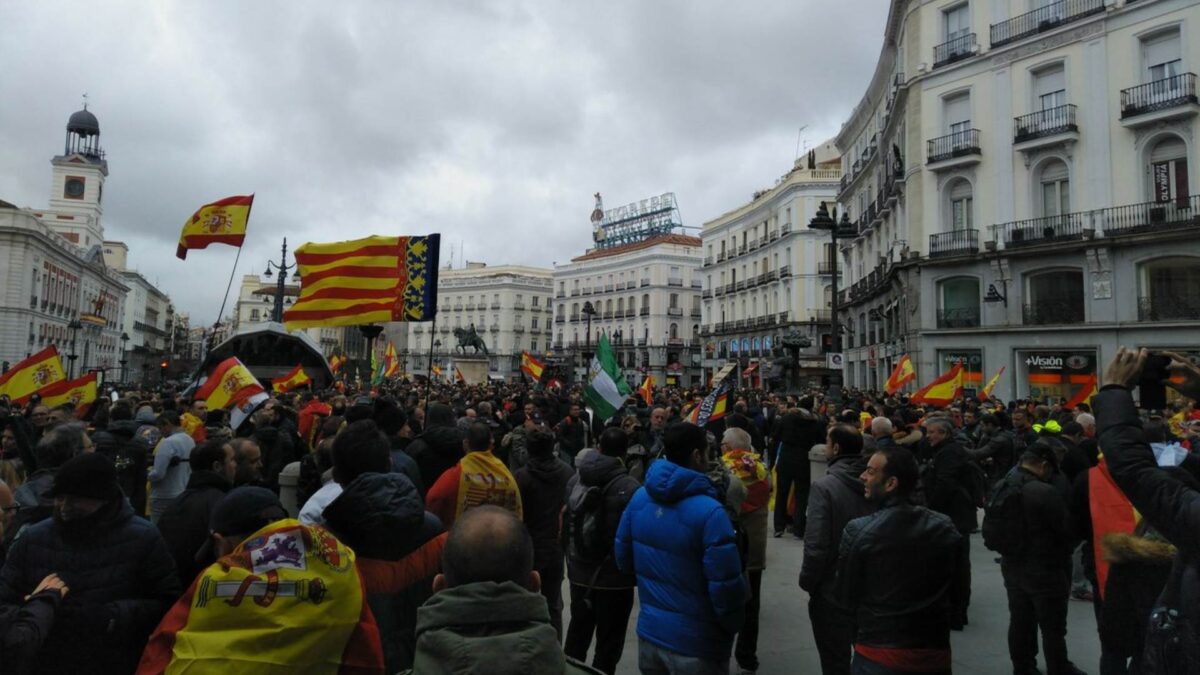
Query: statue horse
x=467, y=337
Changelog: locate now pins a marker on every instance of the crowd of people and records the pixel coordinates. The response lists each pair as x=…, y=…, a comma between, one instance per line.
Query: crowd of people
x=438, y=524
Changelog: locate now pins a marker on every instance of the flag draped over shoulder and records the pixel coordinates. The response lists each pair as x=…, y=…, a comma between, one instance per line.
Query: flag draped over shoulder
x=80, y=393
x=606, y=389
x=287, y=579
x=986, y=392
x=901, y=375
x=532, y=367
x=712, y=408
x=221, y=222
x=295, y=379
x=371, y=280
x=229, y=384
x=27, y=377
x=943, y=390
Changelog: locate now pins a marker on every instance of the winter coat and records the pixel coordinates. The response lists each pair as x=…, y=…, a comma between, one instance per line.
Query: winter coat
x=602, y=471
x=998, y=447
x=485, y=627
x=403, y=463
x=1171, y=507
x=894, y=571
x=543, y=485
x=35, y=505
x=516, y=444
x=797, y=432
x=677, y=539
x=278, y=445
x=381, y=516
x=946, y=486
x=435, y=451
x=24, y=628
x=122, y=582
x=184, y=525
x=1043, y=568
x=129, y=455
x=834, y=500
x=1139, y=570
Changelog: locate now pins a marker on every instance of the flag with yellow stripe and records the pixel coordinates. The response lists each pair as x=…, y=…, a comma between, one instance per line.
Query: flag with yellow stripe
x=32, y=374
x=80, y=393
x=221, y=222
x=295, y=379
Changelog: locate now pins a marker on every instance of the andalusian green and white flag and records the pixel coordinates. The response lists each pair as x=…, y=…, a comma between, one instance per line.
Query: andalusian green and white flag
x=607, y=389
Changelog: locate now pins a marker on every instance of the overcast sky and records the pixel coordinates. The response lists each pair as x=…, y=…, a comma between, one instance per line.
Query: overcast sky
x=490, y=122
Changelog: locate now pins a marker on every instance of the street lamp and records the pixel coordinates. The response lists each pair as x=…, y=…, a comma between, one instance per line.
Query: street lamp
x=842, y=229
x=589, y=311
x=74, y=327
x=283, y=267
x=123, y=361
x=437, y=344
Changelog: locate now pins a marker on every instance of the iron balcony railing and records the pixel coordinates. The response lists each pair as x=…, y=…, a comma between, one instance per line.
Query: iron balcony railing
x=955, y=242
x=675, y=281
x=1067, y=227
x=785, y=271
x=1151, y=216
x=706, y=294
x=954, y=50
x=1158, y=95
x=645, y=311
x=952, y=145
x=1057, y=120
x=958, y=317
x=826, y=267
x=1043, y=19
x=674, y=311
x=1184, y=306
x=1042, y=312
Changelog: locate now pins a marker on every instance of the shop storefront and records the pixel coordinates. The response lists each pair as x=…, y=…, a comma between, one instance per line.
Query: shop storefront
x=1051, y=375
x=972, y=363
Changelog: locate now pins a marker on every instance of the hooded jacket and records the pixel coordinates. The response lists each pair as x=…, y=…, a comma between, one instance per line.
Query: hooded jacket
x=677, y=539
x=184, y=525
x=594, y=469
x=543, y=485
x=439, y=448
x=489, y=628
x=381, y=516
x=835, y=499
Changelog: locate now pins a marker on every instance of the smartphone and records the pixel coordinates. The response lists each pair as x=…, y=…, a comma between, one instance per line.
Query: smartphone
x=1152, y=392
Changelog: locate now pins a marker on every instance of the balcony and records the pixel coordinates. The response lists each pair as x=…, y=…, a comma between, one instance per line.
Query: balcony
x=587, y=290
x=560, y=295
x=608, y=288
x=518, y=329
x=785, y=271
x=697, y=284
x=675, y=281
x=674, y=342
x=1053, y=311
x=695, y=313
x=641, y=342
x=471, y=307
x=674, y=311
x=1043, y=19
x=607, y=315
x=742, y=250
x=1048, y=230
x=645, y=282
x=706, y=295
x=574, y=292
x=953, y=150
x=730, y=288
x=1150, y=217
x=773, y=235
x=560, y=319
x=574, y=318
x=629, y=313
x=956, y=242
x=496, y=305
x=721, y=257
x=1044, y=128
x=783, y=317
x=958, y=317
x=719, y=291
x=773, y=275
x=645, y=311
x=519, y=306
x=1166, y=99
x=753, y=245
x=957, y=49
x=1170, y=307
x=785, y=230
x=708, y=261
x=740, y=285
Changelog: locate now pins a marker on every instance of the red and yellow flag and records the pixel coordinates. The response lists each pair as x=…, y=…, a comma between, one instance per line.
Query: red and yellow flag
x=647, y=390
x=295, y=379
x=80, y=393
x=458, y=376
x=986, y=392
x=391, y=362
x=943, y=390
x=221, y=222
x=31, y=375
x=532, y=367
x=901, y=375
x=229, y=384
x=371, y=280
x=1111, y=511
x=286, y=579
x=436, y=370
x=1084, y=395
x=336, y=362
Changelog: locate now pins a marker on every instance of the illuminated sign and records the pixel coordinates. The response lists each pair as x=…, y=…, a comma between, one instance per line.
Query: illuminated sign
x=638, y=221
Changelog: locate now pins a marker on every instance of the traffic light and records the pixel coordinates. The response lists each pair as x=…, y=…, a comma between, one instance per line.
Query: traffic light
x=162, y=369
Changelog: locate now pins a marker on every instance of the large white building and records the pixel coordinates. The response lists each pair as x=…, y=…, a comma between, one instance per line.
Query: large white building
x=1018, y=180
x=55, y=288
x=767, y=274
x=509, y=306
x=643, y=283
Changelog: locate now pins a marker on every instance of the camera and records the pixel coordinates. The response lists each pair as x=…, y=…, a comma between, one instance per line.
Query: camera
x=1152, y=388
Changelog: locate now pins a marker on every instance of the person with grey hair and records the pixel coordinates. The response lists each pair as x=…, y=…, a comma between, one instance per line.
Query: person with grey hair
x=879, y=435
x=947, y=490
x=748, y=470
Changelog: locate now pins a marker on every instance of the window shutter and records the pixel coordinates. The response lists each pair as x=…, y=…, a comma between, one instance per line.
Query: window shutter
x=1161, y=49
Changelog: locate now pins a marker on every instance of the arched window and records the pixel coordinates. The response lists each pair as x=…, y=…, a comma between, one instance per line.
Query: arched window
x=674, y=335
x=574, y=311
x=960, y=209
x=1169, y=290
x=620, y=306
x=1054, y=188
x=646, y=303
x=958, y=303
x=1054, y=297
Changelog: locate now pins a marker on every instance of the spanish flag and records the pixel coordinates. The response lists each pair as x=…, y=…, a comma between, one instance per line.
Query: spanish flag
x=295, y=379
x=1084, y=395
x=712, y=408
x=288, y=599
x=80, y=393
x=336, y=362
x=986, y=392
x=436, y=370
x=943, y=390
x=532, y=367
x=221, y=222
x=647, y=390
x=229, y=384
x=371, y=280
x=901, y=375
x=391, y=362
x=31, y=375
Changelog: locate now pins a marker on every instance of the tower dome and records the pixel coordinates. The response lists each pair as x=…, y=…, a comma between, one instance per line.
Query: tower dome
x=83, y=134
x=84, y=123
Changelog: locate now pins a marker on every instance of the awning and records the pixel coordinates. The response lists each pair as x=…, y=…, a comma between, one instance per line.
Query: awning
x=723, y=373
x=749, y=371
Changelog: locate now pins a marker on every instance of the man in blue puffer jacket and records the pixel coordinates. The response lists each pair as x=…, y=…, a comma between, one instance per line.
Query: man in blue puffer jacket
x=677, y=539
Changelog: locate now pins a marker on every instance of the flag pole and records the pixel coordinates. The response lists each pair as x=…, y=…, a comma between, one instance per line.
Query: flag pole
x=229, y=286
x=429, y=370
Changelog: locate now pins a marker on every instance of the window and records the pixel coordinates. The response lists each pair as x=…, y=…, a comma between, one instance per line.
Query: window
x=674, y=300
x=1054, y=297
x=1050, y=88
x=1169, y=171
x=536, y=300
x=533, y=346
x=961, y=205
x=1161, y=56
x=957, y=21
x=958, y=300
x=957, y=113
x=1170, y=290
x=1055, y=189
x=254, y=315
x=533, y=323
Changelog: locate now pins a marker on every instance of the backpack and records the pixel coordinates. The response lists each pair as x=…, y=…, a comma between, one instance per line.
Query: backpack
x=976, y=482
x=1004, y=517
x=584, y=525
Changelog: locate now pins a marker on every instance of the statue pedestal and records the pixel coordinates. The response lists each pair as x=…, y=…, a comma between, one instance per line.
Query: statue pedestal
x=474, y=369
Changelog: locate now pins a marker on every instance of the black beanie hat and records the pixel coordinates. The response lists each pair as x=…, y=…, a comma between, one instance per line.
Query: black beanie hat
x=87, y=475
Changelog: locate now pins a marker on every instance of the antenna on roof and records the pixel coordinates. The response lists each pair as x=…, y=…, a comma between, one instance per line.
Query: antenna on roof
x=799, y=135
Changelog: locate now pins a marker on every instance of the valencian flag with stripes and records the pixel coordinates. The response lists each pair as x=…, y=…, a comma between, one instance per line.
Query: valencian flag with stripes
x=229, y=384
x=32, y=374
x=295, y=379
x=221, y=222
x=80, y=393
x=532, y=367
x=371, y=280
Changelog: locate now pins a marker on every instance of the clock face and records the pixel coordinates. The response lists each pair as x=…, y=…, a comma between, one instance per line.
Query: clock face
x=74, y=188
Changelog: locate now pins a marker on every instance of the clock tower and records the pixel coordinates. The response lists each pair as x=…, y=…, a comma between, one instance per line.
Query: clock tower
x=77, y=183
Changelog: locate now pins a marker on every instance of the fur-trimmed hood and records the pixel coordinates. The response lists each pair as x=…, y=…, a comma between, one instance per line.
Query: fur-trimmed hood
x=1127, y=548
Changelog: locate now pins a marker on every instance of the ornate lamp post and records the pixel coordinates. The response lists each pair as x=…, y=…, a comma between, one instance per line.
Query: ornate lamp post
x=284, y=268
x=74, y=327
x=842, y=229
x=123, y=361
